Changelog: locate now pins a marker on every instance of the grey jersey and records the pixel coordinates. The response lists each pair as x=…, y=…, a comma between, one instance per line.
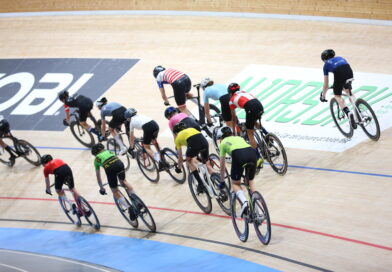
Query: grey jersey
x=109, y=108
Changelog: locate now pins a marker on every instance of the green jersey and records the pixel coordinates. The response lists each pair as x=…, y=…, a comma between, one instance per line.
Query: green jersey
x=231, y=143
x=104, y=159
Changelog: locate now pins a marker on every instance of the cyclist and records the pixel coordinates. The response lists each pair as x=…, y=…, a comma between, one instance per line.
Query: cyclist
x=254, y=110
x=241, y=153
x=216, y=92
x=5, y=131
x=343, y=75
x=150, y=132
x=175, y=116
x=84, y=105
x=114, y=169
x=195, y=143
x=117, y=111
x=180, y=83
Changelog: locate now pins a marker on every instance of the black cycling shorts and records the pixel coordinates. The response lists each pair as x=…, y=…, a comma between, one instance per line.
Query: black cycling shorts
x=191, y=123
x=85, y=105
x=115, y=171
x=62, y=175
x=150, y=132
x=239, y=158
x=181, y=87
x=341, y=75
x=254, y=110
x=197, y=144
x=225, y=108
x=117, y=118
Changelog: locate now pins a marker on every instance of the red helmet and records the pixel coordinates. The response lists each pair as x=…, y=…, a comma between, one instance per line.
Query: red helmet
x=233, y=87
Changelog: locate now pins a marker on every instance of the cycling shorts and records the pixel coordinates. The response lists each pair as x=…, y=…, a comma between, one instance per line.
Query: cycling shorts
x=226, y=112
x=181, y=87
x=150, y=132
x=114, y=172
x=85, y=106
x=254, y=110
x=117, y=118
x=239, y=158
x=341, y=75
x=191, y=123
x=62, y=175
x=197, y=144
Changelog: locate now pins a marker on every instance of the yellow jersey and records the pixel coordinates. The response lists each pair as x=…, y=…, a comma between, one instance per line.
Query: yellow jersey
x=183, y=135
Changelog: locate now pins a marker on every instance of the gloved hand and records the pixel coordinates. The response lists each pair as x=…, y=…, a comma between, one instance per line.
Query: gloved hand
x=102, y=191
x=132, y=152
x=322, y=99
x=166, y=103
x=65, y=123
x=210, y=124
x=177, y=169
x=48, y=191
x=221, y=185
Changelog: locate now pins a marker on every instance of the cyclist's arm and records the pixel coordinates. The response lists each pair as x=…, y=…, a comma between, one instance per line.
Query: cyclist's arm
x=99, y=179
x=131, y=139
x=67, y=114
x=325, y=86
x=163, y=94
x=207, y=112
x=47, y=182
x=103, y=127
x=222, y=167
x=233, y=121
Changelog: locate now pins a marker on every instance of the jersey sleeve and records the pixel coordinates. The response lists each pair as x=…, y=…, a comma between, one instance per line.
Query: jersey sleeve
x=46, y=171
x=325, y=69
x=66, y=108
x=96, y=164
x=231, y=105
x=206, y=95
x=177, y=142
x=222, y=150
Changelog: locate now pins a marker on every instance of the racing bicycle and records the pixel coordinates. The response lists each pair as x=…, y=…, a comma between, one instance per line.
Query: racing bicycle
x=20, y=148
x=81, y=134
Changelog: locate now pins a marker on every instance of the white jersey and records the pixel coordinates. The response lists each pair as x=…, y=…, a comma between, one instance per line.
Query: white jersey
x=138, y=121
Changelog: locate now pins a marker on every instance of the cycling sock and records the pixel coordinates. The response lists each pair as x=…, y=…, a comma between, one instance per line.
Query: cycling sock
x=118, y=141
x=9, y=150
x=123, y=203
x=346, y=111
x=241, y=196
x=197, y=176
x=93, y=130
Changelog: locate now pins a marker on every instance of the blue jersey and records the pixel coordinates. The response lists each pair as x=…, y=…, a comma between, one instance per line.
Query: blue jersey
x=331, y=64
x=109, y=108
x=214, y=92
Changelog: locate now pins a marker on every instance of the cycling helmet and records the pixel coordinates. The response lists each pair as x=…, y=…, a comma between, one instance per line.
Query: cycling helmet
x=4, y=125
x=129, y=113
x=45, y=159
x=178, y=127
x=233, y=87
x=157, y=70
x=169, y=111
x=206, y=82
x=63, y=95
x=100, y=103
x=327, y=54
x=96, y=149
x=224, y=132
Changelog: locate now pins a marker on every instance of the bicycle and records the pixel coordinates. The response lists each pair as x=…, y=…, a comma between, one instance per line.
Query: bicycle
x=20, y=148
x=139, y=209
x=210, y=189
x=81, y=134
x=364, y=116
x=78, y=207
x=257, y=213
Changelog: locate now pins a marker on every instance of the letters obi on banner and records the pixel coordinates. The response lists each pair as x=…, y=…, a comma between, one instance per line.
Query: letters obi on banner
x=29, y=87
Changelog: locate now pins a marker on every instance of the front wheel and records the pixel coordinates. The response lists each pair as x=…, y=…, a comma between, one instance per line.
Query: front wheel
x=170, y=158
x=340, y=118
x=143, y=212
x=29, y=152
x=147, y=165
x=124, y=210
x=261, y=219
x=215, y=164
x=368, y=120
x=240, y=224
x=81, y=134
x=112, y=146
x=200, y=194
x=223, y=198
x=276, y=154
x=70, y=210
x=89, y=213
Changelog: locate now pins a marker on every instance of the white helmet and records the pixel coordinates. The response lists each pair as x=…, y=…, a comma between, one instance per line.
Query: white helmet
x=204, y=83
x=224, y=132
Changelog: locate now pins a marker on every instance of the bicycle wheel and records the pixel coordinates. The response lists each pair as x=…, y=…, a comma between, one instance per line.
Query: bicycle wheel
x=112, y=146
x=29, y=153
x=81, y=134
x=215, y=140
x=89, y=213
x=224, y=196
x=124, y=211
x=240, y=224
x=369, y=122
x=170, y=159
x=276, y=154
x=4, y=155
x=261, y=219
x=147, y=165
x=340, y=118
x=215, y=164
x=143, y=212
x=215, y=114
x=70, y=210
x=202, y=198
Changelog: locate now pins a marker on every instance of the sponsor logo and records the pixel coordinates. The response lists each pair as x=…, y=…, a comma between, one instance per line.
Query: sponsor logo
x=29, y=87
x=293, y=111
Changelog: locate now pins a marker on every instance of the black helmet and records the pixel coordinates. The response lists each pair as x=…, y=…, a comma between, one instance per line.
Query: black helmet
x=4, y=125
x=63, y=95
x=224, y=132
x=45, y=159
x=178, y=127
x=327, y=54
x=157, y=70
x=96, y=149
x=100, y=103
x=169, y=111
x=233, y=87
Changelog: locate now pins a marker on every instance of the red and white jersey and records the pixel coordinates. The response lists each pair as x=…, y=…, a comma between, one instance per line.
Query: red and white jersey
x=239, y=99
x=169, y=76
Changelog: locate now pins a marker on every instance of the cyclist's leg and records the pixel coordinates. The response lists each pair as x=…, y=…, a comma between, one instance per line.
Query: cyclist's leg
x=150, y=133
x=181, y=89
x=236, y=174
x=8, y=149
x=113, y=125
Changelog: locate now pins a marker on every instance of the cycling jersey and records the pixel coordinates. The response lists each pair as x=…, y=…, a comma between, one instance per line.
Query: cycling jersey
x=138, y=121
x=176, y=119
x=331, y=64
x=168, y=76
x=214, y=92
x=51, y=166
x=231, y=143
x=104, y=159
x=78, y=101
x=183, y=135
x=107, y=110
x=239, y=99
x=4, y=127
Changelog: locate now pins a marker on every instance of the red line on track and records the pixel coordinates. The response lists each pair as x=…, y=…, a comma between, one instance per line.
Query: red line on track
x=225, y=216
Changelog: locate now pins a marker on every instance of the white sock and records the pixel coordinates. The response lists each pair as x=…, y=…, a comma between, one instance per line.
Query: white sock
x=123, y=203
x=119, y=142
x=241, y=196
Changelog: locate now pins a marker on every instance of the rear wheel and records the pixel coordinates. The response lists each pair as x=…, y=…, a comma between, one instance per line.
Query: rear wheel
x=4, y=155
x=81, y=134
x=124, y=211
x=340, y=118
x=224, y=196
x=261, y=219
x=143, y=212
x=112, y=146
x=147, y=165
x=29, y=153
x=70, y=210
x=201, y=196
x=276, y=154
x=369, y=122
x=89, y=213
x=171, y=158
x=240, y=224
x=215, y=164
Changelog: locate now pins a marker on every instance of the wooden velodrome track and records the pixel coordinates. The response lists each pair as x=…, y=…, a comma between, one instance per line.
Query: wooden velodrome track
x=322, y=219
